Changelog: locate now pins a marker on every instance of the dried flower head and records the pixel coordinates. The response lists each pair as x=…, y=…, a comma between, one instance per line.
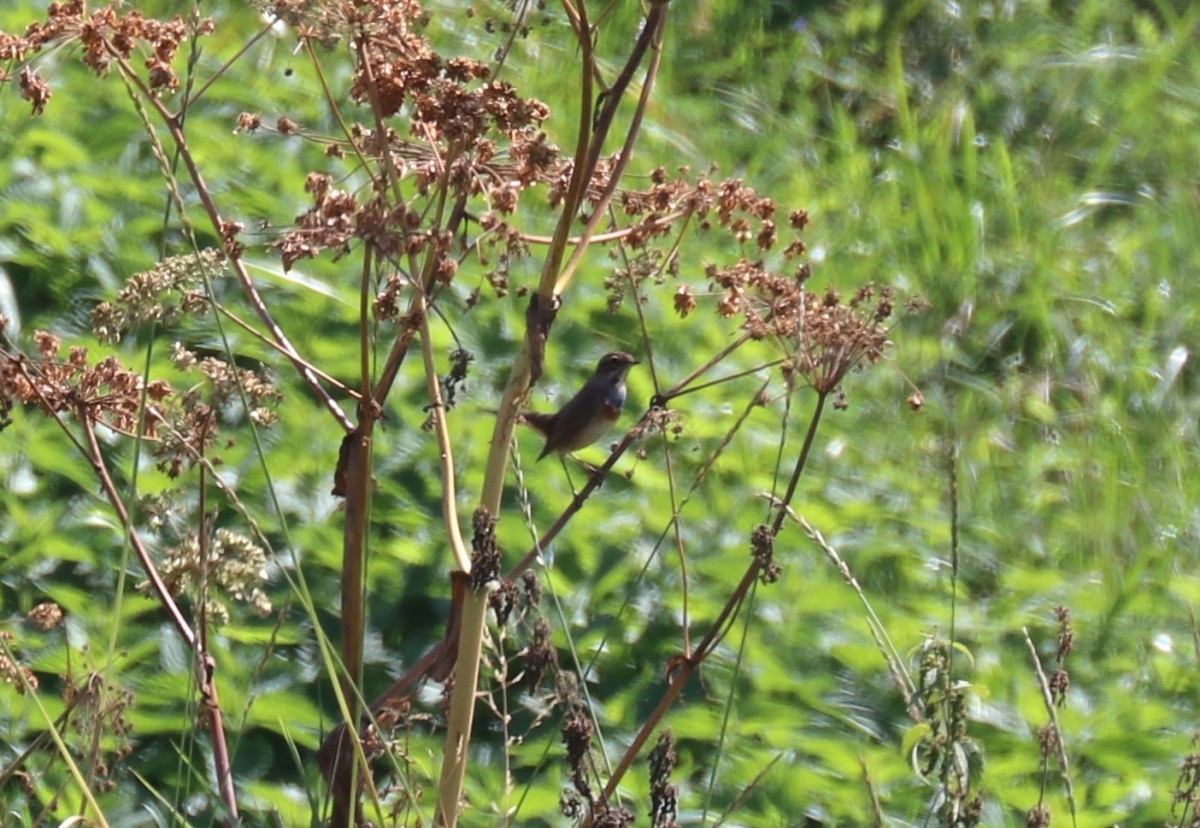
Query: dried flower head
x=108, y=34
x=106, y=393
x=16, y=674
x=46, y=615
x=664, y=803
x=233, y=568
x=160, y=295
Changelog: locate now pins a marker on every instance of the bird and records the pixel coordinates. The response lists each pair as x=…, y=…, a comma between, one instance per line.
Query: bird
x=588, y=415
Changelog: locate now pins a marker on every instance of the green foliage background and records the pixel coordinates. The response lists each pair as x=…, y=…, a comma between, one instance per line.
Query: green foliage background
x=1028, y=168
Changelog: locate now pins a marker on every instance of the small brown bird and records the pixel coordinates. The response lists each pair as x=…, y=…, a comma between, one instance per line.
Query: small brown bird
x=588, y=415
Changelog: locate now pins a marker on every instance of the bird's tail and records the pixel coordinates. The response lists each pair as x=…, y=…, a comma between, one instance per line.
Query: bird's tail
x=541, y=423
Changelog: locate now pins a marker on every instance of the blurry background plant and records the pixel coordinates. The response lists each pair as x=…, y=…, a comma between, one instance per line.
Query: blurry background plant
x=996, y=161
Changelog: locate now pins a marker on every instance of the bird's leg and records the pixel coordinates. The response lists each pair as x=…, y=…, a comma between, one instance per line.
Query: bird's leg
x=562, y=459
x=593, y=471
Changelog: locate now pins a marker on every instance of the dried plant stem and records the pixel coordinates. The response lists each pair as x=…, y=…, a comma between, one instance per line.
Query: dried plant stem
x=651, y=34
x=252, y=295
x=681, y=387
x=801, y=461
x=613, y=235
x=275, y=346
x=680, y=547
x=205, y=664
x=357, y=450
x=331, y=101
x=1048, y=700
x=96, y=458
x=259, y=35
x=581, y=173
x=684, y=666
x=445, y=447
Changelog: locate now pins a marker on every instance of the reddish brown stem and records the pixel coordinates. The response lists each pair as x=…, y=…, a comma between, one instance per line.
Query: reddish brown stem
x=214, y=215
x=687, y=665
x=205, y=664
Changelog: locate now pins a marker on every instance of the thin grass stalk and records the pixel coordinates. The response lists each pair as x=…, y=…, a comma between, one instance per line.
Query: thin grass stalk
x=727, y=714
x=686, y=665
x=64, y=752
x=745, y=791
x=883, y=641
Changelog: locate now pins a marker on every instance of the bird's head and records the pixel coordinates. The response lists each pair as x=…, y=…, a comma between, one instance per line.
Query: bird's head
x=614, y=365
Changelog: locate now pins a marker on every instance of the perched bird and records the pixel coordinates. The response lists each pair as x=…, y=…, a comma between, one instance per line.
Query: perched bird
x=590, y=413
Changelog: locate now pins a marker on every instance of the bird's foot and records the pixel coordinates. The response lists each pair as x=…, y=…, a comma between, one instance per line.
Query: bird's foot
x=594, y=472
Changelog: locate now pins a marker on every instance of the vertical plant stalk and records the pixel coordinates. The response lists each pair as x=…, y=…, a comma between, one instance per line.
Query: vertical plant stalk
x=1052, y=711
x=445, y=446
x=354, y=466
x=466, y=672
x=205, y=663
x=651, y=36
x=356, y=448
x=462, y=708
x=528, y=366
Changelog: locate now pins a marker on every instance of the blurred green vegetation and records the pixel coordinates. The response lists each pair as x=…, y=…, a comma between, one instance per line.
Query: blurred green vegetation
x=1029, y=169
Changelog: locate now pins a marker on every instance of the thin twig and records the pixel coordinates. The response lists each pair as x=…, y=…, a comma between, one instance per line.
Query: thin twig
x=96, y=458
x=890, y=655
x=437, y=409
x=218, y=223
x=198, y=94
x=652, y=223
x=1048, y=701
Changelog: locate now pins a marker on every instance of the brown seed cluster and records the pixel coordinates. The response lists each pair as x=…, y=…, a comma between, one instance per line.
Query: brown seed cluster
x=45, y=616
x=15, y=673
x=664, y=796
x=106, y=392
x=476, y=136
x=106, y=35
x=762, y=547
x=98, y=717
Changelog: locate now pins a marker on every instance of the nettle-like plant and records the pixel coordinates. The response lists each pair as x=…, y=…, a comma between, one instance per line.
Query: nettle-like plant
x=442, y=191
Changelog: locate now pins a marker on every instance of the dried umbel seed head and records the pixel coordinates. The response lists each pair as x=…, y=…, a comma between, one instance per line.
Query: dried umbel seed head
x=46, y=615
x=163, y=294
x=109, y=35
x=105, y=393
x=231, y=566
